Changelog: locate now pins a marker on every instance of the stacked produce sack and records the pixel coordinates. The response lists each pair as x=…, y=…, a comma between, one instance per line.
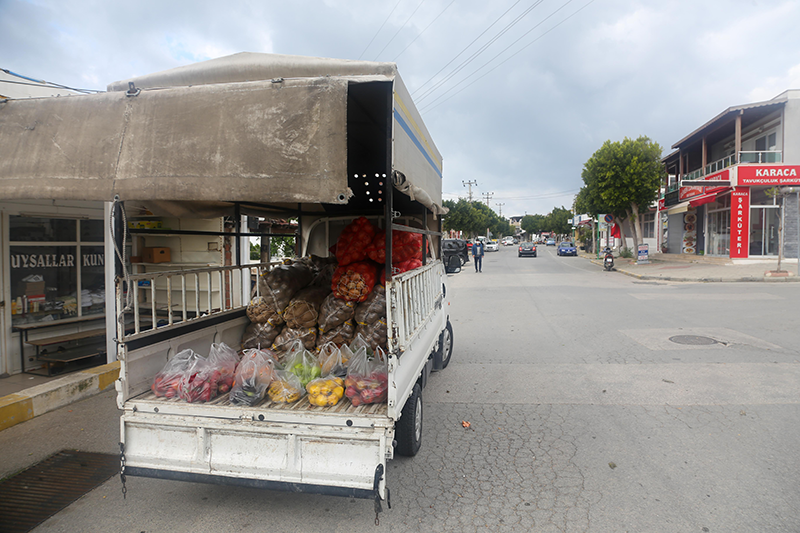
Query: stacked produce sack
x=314, y=314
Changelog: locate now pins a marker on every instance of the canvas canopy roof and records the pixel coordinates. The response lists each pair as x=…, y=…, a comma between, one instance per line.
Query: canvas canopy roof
x=245, y=128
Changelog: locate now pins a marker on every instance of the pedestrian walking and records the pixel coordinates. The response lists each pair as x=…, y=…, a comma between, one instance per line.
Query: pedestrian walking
x=477, y=255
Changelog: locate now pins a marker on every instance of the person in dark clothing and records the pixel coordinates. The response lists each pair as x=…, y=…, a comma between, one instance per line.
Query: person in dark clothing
x=477, y=255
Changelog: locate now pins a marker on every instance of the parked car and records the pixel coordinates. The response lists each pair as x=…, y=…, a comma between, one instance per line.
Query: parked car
x=567, y=248
x=491, y=246
x=550, y=242
x=456, y=247
x=527, y=248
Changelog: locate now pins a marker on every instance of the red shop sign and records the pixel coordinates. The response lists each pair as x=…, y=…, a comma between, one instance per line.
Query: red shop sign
x=689, y=192
x=769, y=175
x=723, y=175
x=740, y=222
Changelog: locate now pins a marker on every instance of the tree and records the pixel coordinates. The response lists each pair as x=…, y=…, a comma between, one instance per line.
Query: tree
x=624, y=177
x=474, y=218
x=533, y=224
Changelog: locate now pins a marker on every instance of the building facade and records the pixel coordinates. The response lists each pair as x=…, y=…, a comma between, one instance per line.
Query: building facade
x=733, y=186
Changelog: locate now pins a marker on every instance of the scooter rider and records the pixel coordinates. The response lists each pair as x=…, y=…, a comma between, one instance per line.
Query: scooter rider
x=608, y=258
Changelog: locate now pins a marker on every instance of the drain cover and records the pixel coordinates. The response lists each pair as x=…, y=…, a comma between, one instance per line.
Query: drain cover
x=692, y=340
x=34, y=495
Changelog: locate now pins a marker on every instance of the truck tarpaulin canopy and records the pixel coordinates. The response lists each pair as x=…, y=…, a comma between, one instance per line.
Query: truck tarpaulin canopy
x=235, y=142
x=249, y=127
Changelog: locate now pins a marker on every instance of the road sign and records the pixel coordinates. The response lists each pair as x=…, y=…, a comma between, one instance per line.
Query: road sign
x=608, y=219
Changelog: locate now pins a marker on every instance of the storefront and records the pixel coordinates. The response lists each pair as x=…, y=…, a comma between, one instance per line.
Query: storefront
x=742, y=219
x=52, y=271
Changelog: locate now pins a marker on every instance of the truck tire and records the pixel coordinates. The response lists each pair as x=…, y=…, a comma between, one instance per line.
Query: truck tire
x=446, y=345
x=409, y=427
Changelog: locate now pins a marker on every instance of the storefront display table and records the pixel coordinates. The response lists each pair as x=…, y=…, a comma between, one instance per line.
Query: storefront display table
x=68, y=347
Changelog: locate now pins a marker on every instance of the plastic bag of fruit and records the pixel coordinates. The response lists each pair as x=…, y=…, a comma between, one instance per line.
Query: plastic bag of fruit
x=334, y=312
x=167, y=382
x=373, y=308
x=285, y=388
x=355, y=281
x=279, y=285
x=354, y=241
x=331, y=362
x=374, y=334
x=302, y=364
x=367, y=378
x=258, y=335
x=303, y=309
x=200, y=381
x=254, y=374
x=224, y=358
x=326, y=391
x=341, y=334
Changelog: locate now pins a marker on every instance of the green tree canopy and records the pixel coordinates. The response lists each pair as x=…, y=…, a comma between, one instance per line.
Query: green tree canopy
x=474, y=218
x=622, y=178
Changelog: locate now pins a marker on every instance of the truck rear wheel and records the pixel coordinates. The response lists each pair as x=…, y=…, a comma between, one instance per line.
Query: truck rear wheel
x=409, y=427
x=446, y=345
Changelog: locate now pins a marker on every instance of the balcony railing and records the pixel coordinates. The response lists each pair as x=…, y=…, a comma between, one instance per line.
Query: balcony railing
x=767, y=156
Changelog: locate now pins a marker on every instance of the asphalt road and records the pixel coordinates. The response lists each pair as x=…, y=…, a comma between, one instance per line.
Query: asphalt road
x=584, y=417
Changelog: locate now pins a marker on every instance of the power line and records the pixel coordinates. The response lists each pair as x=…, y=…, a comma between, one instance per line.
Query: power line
x=379, y=29
x=432, y=106
x=482, y=49
x=399, y=30
x=465, y=48
x=423, y=31
x=500, y=205
x=487, y=196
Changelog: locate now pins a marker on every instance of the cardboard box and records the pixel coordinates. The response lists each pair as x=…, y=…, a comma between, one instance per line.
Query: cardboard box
x=34, y=288
x=156, y=255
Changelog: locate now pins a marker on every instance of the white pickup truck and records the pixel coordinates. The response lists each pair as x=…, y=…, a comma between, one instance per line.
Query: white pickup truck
x=322, y=141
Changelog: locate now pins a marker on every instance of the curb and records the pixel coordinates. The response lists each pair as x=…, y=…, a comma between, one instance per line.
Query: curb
x=35, y=401
x=647, y=277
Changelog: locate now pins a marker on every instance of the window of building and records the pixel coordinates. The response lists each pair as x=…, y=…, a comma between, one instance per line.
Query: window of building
x=56, y=268
x=649, y=225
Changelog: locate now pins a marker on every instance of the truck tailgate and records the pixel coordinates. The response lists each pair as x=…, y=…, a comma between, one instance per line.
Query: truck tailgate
x=329, y=450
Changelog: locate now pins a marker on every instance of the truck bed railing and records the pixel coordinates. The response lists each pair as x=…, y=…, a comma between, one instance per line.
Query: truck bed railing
x=418, y=293
x=158, y=300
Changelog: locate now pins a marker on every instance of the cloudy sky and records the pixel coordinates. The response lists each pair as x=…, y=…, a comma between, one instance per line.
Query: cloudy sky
x=517, y=94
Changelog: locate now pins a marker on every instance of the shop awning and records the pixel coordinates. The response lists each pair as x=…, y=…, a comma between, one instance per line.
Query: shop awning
x=707, y=198
x=679, y=208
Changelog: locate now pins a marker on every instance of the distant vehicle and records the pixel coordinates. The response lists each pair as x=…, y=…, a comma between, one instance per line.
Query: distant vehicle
x=567, y=248
x=508, y=241
x=457, y=247
x=527, y=248
x=550, y=242
x=491, y=246
x=515, y=241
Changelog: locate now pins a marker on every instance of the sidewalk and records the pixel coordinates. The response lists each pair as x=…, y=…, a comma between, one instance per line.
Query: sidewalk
x=686, y=268
x=24, y=398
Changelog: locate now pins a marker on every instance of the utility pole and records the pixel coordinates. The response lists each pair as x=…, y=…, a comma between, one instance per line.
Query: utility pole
x=487, y=196
x=501, y=208
x=469, y=184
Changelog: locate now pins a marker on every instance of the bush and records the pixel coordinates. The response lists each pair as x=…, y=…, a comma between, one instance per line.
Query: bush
x=626, y=253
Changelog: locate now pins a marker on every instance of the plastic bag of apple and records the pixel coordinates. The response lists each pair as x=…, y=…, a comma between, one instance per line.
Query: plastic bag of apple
x=367, y=378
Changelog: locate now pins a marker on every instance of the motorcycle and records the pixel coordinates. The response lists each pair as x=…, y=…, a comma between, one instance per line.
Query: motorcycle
x=608, y=259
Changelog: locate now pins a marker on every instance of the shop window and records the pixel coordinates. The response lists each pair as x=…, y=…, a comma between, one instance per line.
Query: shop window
x=649, y=225
x=56, y=281
x=30, y=229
